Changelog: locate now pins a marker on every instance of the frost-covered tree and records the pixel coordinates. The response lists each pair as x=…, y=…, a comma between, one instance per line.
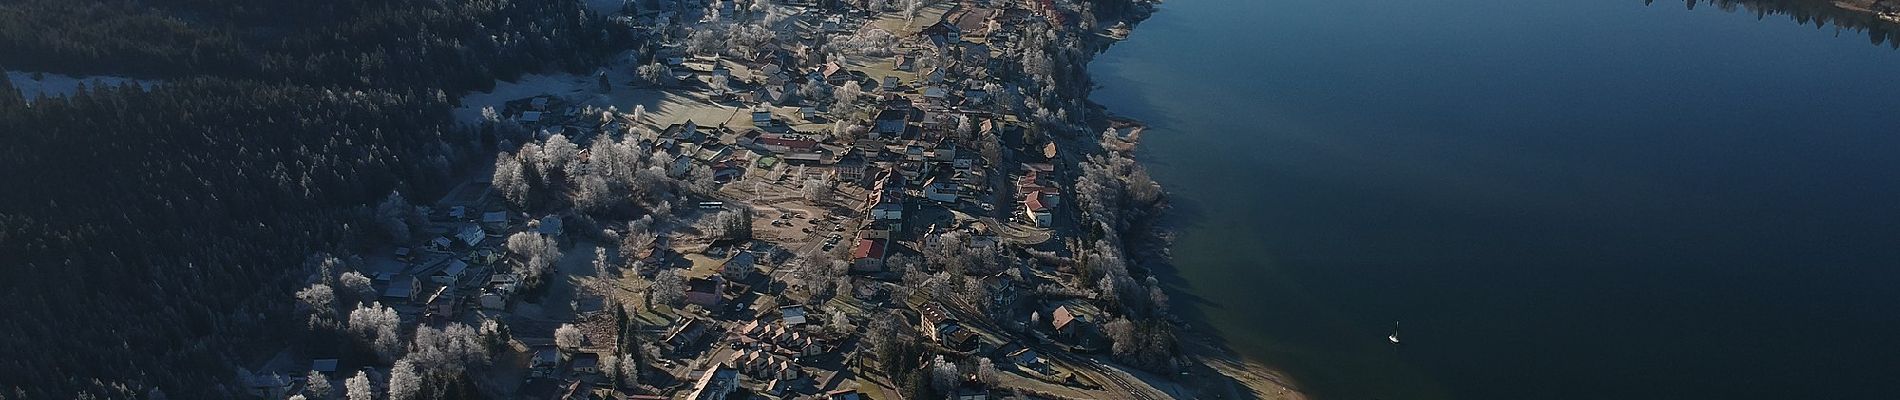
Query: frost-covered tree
x=943, y=375
x=986, y=372
x=404, y=381
x=749, y=39
x=316, y=386
x=705, y=40
x=358, y=387
x=629, y=369
x=911, y=8
x=511, y=180
x=668, y=288
x=394, y=215
x=540, y=252
x=356, y=285
x=816, y=190
x=653, y=73
x=569, y=337
x=730, y=224
x=322, y=302
x=558, y=154
x=445, y=353
x=592, y=195
x=376, y=325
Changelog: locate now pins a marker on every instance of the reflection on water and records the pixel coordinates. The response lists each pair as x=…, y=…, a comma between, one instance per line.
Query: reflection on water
x=1559, y=199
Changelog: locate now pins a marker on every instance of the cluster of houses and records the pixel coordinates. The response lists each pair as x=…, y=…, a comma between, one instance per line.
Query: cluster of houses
x=921, y=149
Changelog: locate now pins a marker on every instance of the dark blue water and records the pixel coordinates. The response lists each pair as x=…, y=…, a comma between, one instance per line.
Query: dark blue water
x=1559, y=199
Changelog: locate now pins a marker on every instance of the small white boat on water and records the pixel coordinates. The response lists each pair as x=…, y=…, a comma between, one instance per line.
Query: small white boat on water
x=1394, y=337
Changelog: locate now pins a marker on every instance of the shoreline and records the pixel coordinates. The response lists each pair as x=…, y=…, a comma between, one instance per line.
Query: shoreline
x=1225, y=372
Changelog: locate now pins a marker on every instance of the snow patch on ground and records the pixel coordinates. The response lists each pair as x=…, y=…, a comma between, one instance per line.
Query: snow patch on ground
x=56, y=85
x=664, y=106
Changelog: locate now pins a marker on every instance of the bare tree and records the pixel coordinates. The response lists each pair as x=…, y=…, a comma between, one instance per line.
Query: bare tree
x=358, y=387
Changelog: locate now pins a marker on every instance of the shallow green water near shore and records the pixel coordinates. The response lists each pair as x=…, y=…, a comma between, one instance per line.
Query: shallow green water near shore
x=1559, y=199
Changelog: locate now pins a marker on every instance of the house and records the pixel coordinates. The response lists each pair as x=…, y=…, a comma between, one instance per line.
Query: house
x=936, y=94
x=545, y=362
x=793, y=315
x=942, y=31
x=778, y=387
x=763, y=365
x=585, y=363
x=402, y=290
x=688, y=131
x=941, y=190
x=451, y=274
x=685, y=334
x=850, y=167
x=1067, y=323
x=843, y=394
x=497, y=221
x=739, y=266
x=470, y=235
x=270, y=385
x=904, y=62
x=1020, y=355
x=889, y=123
x=1035, y=210
x=833, y=73
x=937, y=324
x=761, y=117
x=785, y=143
x=504, y=282
x=492, y=300
x=442, y=303
x=550, y=226
x=325, y=366
x=868, y=255
x=705, y=291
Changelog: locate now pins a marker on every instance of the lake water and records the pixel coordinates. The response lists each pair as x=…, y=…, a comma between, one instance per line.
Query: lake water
x=1558, y=199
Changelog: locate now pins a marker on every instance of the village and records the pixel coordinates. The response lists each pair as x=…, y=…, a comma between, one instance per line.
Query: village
x=878, y=225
